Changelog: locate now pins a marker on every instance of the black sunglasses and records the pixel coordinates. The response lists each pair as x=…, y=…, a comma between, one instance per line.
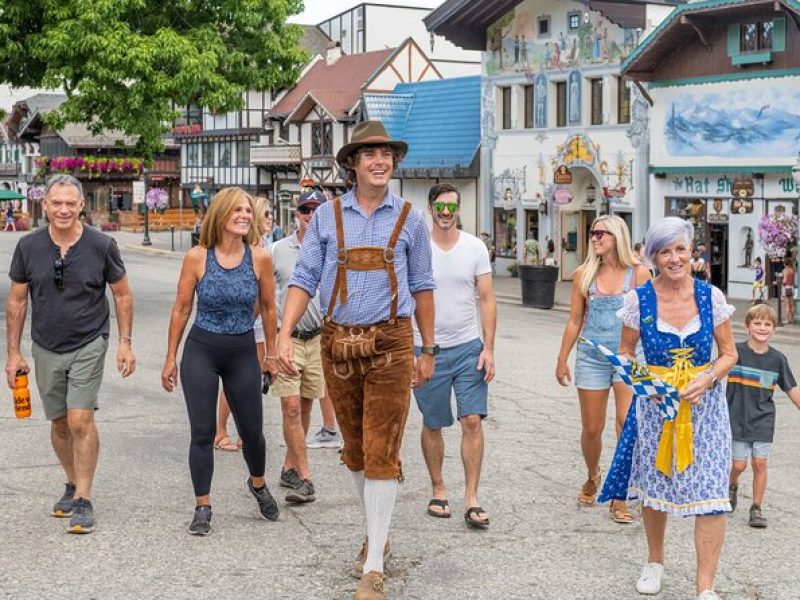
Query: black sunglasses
x=306, y=209
x=58, y=267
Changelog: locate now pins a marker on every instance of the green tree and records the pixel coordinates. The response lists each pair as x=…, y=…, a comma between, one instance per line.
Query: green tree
x=125, y=64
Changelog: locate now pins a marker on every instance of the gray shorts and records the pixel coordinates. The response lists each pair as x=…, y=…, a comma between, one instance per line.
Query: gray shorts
x=69, y=380
x=744, y=450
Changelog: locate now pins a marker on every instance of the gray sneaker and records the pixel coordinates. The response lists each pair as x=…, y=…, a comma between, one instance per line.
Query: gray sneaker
x=63, y=508
x=82, y=520
x=201, y=523
x=267, y=506
x=302, y=493
x=325, y=438
x=290, y=478
x=756, y=518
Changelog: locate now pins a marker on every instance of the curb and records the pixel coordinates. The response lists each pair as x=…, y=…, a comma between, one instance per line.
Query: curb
x=153, y=251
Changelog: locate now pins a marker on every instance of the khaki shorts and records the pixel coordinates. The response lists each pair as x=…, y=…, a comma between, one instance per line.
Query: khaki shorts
x=308, y=360
x=70, y=380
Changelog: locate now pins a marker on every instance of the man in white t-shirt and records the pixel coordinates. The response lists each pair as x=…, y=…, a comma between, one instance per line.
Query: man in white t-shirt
x=465, y=364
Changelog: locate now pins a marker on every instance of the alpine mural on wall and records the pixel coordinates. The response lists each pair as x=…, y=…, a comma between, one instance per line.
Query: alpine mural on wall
x=578, y=37
x=757, y=121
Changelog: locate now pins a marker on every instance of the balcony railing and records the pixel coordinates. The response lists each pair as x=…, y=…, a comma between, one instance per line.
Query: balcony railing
x=283, y=154
x=9, y=169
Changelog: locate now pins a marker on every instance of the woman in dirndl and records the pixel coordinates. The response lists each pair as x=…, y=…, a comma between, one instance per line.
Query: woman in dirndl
x=677, y=467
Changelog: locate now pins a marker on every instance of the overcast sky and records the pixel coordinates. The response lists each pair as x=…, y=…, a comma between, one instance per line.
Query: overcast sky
x=319, y=10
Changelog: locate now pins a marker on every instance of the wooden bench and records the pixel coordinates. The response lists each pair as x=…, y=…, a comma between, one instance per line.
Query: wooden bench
x=133, y=221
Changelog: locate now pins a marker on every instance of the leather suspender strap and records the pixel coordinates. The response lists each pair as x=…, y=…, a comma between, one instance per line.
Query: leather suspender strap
x=388, y=256
x=340, y=283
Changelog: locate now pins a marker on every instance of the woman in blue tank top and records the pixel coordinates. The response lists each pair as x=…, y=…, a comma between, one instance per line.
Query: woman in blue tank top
x=233, y=281
x=598, y=286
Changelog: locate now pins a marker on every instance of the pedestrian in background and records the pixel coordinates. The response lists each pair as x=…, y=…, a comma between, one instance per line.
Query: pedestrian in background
x=598, y=286
x=232, y=276
x=788, y=290
x=751, y=384
x=678, y=467
x=263, y=220
x=465, y=364
x=65, y=267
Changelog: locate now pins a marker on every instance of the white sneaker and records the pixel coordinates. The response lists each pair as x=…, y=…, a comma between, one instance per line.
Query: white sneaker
x=708, y=595
x=650, y=580
x=324, y=439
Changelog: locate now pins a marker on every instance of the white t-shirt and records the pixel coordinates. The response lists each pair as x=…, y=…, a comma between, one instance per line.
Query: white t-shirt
x=455, y=296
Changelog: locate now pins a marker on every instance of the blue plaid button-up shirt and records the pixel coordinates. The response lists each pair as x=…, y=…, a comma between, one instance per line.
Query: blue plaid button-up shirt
x=367, y=291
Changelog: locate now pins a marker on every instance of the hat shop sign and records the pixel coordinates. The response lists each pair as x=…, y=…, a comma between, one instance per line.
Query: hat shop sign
x=743, y=190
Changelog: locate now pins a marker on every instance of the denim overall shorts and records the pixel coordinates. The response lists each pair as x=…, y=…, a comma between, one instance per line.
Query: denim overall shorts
x=602, y=326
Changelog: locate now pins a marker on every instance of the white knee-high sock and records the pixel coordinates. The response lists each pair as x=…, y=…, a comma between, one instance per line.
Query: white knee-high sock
x=379, y=500
x=358, y=480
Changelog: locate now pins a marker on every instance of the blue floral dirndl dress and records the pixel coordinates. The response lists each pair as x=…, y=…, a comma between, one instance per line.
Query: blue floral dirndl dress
x=702, y=488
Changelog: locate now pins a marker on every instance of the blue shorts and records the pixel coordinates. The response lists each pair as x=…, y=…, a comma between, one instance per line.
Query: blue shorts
x=456, y=370
x=592, y=369
x=743, y=450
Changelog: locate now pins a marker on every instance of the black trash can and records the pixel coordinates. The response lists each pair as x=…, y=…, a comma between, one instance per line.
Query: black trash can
x=195, y=238
x=538, y=285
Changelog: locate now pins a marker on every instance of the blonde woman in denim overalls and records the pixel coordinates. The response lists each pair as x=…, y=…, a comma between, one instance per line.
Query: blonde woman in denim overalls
x=598, y=286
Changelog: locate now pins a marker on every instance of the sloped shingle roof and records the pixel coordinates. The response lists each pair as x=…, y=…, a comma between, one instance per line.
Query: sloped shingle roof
x=440, y=120
x=339, y=84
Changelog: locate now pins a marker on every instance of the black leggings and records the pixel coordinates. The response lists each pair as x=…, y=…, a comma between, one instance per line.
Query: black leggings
x=207, y=357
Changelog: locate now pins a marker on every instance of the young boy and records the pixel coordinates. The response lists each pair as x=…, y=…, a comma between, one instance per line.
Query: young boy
x=758, y=281
x=751, y=384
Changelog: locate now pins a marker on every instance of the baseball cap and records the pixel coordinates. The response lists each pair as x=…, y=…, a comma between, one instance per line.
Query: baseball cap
x=312, y=197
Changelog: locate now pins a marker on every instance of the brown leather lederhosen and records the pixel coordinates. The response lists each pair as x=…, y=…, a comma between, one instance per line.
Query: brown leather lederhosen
x=368, y=367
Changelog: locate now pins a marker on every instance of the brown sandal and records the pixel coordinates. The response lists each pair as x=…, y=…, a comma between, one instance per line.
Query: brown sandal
x=618, y=511
x=589, y=490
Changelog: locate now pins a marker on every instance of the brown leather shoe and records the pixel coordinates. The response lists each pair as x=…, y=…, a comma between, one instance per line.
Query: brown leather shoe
x=358, y=569
x=371, y=587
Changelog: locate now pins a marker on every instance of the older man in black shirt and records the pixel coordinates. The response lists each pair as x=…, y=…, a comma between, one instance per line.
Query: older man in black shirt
x=65, y=268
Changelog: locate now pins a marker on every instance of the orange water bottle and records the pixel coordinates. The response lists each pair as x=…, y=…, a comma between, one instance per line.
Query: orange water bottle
x=22, y=396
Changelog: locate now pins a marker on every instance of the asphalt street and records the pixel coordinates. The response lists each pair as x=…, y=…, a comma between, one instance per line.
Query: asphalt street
x=540, y=543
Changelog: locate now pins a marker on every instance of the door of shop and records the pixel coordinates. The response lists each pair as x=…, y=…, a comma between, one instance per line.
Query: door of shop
x=718, y=247
x=574, y=239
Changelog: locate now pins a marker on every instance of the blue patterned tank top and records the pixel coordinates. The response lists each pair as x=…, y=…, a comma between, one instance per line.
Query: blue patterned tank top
x=226, y=298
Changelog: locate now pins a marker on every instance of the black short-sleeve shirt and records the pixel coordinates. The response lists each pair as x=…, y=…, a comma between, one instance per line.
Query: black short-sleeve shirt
x=68, y=319
x=751, y=384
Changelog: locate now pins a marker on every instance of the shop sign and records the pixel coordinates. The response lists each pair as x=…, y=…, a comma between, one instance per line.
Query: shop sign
x=717, y=216
x=562, y=176
x=562, y=196
x=138, y=192
x=742, y=206
x=743, y=188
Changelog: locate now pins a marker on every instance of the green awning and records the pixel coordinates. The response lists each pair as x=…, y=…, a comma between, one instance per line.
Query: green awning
x=724, y=169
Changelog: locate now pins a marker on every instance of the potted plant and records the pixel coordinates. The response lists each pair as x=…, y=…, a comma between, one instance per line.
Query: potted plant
x=157, y=199
x=538, y=281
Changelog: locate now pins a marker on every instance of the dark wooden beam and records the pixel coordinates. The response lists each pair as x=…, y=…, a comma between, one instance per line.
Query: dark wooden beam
x=686, y=20
x=643, y=91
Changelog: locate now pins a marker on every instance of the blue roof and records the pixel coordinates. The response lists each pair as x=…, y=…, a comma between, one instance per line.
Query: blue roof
x=440, y=120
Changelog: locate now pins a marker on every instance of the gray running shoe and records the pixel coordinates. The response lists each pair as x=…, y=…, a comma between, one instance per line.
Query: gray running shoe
x=82, y=520
x=325, y=438
x=733, y=491
x=63, y=508
x=201, y=523
x=756, y=518
x=267, y=506
x=290, y=478
x=302, y=493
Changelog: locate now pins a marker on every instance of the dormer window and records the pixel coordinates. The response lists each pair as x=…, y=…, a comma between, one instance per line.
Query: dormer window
x=755, y=42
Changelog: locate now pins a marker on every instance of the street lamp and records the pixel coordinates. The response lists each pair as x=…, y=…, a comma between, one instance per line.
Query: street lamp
x=146, y=239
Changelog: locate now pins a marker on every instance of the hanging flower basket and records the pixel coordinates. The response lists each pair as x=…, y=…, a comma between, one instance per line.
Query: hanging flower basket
x=157, y=199
x=778, y=233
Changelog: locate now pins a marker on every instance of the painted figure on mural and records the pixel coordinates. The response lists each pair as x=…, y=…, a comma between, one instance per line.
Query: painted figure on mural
x=548, y=57
x=556, y=56
x=523, y=53
x=574, y=97
x=516, y=50
x=541, y=101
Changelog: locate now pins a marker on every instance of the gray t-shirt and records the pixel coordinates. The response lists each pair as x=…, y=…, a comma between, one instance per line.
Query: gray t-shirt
x=65, y=320
x=285, y=253
x=751, y=384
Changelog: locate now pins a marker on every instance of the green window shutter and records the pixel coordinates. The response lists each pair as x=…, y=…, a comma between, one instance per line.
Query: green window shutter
x=734, y=45
x=779, y=34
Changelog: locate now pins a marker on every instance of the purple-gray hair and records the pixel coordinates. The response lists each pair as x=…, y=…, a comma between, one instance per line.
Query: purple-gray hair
x=664, y=232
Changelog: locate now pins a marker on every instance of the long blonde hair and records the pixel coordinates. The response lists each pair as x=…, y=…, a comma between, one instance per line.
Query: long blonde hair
x=219, y=211
x=622, y=248
x=260, y=206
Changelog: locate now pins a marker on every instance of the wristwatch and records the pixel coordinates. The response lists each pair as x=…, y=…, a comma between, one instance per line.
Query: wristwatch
x=432, y=350
x=714, y=380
